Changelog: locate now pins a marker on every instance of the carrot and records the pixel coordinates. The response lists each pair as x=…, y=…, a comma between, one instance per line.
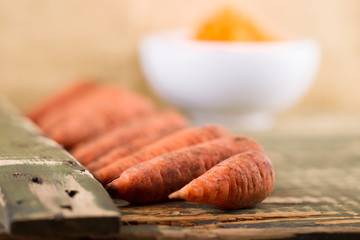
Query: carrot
x=158, y=123
x=59, y=113
x=242, y=180
x=127, y=149
x=154, y=180
x=63, y=97
x=175, y=141
x=94, y=114
x=97, y=101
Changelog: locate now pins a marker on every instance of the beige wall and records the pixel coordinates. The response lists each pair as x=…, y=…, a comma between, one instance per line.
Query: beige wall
x=45, y=44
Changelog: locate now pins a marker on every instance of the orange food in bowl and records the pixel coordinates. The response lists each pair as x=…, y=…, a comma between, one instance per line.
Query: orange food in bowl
x=229, y=25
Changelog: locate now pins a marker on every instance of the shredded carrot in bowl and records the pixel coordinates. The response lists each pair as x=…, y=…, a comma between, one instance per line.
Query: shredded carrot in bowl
x=229, y=25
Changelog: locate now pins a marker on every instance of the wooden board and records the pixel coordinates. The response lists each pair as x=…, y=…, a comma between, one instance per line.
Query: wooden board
x=44, y=190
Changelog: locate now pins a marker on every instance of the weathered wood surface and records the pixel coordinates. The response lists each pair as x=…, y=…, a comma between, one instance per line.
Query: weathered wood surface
x=316, y=196
x=44, y=190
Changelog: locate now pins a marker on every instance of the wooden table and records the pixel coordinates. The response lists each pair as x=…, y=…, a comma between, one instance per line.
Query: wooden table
x=316, y=196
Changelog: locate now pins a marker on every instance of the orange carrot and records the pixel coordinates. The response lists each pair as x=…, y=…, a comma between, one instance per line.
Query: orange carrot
x=154, y=180
x=127, y=149
x=66, y=109
x=175, y=141
x=59, y=99
x=94, y=114
x=242, y=180
x=158, y=123
x=98, y=101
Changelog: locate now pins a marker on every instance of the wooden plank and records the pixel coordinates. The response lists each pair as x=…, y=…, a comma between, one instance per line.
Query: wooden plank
x=43, y=189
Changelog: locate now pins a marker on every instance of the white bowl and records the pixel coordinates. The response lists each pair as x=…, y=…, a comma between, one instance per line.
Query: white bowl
x=238, y=84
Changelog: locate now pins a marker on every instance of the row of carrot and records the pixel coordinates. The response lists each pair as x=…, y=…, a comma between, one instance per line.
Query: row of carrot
x=144, y=155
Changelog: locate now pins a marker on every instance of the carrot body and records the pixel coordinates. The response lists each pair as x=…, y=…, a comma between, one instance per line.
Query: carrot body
x=155, y=125
x=154, y=180
x=172, y=142
x=127, y=149
x=242, y=180
x=94, y=114
x=66, y=109
x=64, y=97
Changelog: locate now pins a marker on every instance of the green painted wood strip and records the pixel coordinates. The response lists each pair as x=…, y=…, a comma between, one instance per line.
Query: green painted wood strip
x=43, y=189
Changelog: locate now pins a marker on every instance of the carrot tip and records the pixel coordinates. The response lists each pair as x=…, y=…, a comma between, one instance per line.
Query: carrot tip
x=97, y=176
x=92, y=167
x=173, y=195
x=176, y=195
x=111, y=190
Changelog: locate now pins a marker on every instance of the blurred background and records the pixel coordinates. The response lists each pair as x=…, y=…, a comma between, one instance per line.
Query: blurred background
x=46, y=44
